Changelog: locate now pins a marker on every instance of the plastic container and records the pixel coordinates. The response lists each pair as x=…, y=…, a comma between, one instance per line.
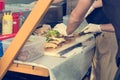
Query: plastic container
x=2, y=5
x=7, y=23
x=1, y=49
x=15, y=22
x=33, y=48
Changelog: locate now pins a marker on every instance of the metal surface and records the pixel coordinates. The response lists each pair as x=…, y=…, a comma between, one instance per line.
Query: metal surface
x=70, y=49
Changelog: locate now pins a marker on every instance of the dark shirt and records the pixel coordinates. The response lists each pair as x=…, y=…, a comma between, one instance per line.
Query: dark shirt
x=97, y=16
x=112, y=11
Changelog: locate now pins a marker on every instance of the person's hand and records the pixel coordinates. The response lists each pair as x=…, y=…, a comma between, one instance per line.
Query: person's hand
x=92, y=28
x=61, y=28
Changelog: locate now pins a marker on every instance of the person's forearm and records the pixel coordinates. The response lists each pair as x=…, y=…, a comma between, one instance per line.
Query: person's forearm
x=78, y=14
x=107, y=27
x=72, y=26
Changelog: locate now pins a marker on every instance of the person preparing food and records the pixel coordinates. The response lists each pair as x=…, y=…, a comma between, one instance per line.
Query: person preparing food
x=104, y=67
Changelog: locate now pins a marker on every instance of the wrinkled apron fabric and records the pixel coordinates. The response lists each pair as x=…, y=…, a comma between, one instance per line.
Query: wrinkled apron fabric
x=104, y=65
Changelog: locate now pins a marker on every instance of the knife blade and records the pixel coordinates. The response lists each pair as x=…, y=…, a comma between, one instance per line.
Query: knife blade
x=70, y=48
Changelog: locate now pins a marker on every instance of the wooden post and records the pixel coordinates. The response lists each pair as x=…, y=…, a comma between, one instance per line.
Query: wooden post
x=29, y=25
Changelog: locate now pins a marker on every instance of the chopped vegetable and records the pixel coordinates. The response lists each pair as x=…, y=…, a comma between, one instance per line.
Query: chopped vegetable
x=47, y=39
x=52, y=33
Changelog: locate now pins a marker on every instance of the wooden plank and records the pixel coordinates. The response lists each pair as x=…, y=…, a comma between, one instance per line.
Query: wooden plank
x=32, y=20
x=27, y=69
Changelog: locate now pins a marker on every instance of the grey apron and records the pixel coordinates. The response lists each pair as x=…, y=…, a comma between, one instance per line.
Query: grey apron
x=112, y=11
x=104, y=66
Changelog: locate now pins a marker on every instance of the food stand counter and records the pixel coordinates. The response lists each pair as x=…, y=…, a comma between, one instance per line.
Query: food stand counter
x=71, y=67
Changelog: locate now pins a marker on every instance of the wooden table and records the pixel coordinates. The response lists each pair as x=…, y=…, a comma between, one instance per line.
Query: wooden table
x=29, y=69
x=40, y=66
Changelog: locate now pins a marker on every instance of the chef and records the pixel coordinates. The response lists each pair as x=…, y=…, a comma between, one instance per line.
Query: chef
x=104, y=67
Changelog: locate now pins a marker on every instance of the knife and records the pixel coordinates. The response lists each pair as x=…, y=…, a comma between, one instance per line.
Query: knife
x=95, y=34
x=82, y=33
x=70, y=48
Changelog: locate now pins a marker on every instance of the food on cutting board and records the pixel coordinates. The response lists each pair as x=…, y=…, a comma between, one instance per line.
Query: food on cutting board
x=50, y=45
x=55, y=37
x=61, y=27
x=42, y=30
x=56, y=40
x=53, y=33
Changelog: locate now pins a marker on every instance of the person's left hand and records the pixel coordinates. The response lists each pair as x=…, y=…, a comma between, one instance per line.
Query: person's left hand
x=92, y=28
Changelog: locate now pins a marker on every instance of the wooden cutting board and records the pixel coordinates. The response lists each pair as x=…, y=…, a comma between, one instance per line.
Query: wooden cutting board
x=55, y=52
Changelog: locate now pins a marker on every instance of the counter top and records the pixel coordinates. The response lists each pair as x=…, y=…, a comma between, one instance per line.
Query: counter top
x=73, y=67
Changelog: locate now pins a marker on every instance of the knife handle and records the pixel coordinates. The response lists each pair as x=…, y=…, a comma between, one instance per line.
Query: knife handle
x=82, y=33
